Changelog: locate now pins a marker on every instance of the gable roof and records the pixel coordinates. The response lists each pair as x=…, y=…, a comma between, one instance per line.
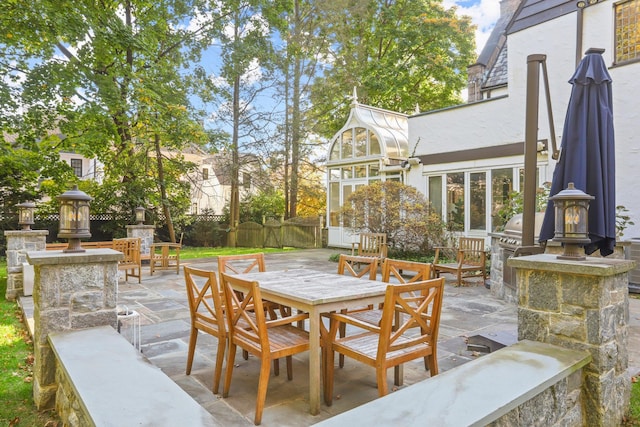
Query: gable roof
x=534, y=12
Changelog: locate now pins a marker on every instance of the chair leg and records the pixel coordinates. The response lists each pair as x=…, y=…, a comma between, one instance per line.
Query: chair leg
x=276, y=367
x=231, y=356
x=343, y=333
x=263, y=383
x=217, y=373
x=381, y=377
x=289, y=368
x=433, y=364
x=193, y=337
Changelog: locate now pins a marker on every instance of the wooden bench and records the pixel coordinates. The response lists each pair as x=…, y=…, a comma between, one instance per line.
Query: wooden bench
x=371, y=245
x=105, y=381
x=86, y=245
x=470, y=256
x=132, y=263
x=130, y=247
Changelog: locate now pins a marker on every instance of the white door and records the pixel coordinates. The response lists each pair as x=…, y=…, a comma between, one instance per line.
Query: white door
x=347, y=188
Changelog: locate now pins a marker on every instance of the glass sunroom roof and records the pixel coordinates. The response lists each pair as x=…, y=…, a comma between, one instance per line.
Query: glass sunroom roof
x=370, y=131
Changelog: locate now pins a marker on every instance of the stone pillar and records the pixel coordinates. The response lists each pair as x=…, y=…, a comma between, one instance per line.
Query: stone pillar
x=145, y=233
x=71, y=291
x=18, y=243
x=581, y=305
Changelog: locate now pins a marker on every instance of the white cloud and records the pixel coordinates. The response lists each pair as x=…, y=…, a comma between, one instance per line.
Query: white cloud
x=483, y=13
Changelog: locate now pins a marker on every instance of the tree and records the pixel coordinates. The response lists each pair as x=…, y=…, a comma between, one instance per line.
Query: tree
x=105, y=80
x=398, y=210
x=399, y=54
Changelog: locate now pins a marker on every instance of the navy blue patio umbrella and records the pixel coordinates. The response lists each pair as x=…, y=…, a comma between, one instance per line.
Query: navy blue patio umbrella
x=587, y=153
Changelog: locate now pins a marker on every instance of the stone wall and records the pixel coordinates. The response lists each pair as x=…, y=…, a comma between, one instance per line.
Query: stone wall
x=145, y=233
x=68, y=405
x=558, y=406
x=581, y=305
x=19, y=242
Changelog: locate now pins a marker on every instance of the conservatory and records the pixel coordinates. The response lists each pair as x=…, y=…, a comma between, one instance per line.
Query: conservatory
x=372, y=146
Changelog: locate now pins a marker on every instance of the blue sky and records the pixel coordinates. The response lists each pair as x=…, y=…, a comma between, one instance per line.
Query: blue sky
x=484, y=14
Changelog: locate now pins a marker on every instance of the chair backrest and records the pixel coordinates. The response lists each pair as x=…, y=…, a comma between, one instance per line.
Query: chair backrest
x=241, y=263
x=373, y=244
x=472, y=249
x=358, y=266
x=246, y=315
x=420, y=304
x=405, y=271
x=130, y=247
x=206, y=300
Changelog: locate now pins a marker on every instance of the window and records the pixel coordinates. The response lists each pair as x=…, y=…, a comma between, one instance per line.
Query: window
x=76, y=165
x=205, y=174
x=501, y=188
x=455, y=200
x=477, y=202
x=334, y=204
x=435, y=195
x=347, y=144
x=627, y=30
x=361, y=142
x=246, y=180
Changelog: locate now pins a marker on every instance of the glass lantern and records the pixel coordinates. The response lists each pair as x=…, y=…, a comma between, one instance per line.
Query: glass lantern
x=140, y=215
x=74, y=218
x=26, y=212
x=572, y=221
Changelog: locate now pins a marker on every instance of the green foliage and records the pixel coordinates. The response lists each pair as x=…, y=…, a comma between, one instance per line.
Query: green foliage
x=515, y=205
x=265, y=204
x=398, y=210
x=622, y=220
x=397, y=54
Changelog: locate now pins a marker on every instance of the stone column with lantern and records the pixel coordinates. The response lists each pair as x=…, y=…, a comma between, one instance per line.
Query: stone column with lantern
x=143, y=231
x=18, y=243
x=580, y=303
x=74, y=289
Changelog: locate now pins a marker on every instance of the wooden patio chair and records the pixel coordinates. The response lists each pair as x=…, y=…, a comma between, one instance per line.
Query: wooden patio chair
x=402, y=272
x=371, y=244
x=470, y=256
x=408, y=330
x=247, y=263
x=266, y=339
x=206, y=308
x=356, y=266
x=131, y=264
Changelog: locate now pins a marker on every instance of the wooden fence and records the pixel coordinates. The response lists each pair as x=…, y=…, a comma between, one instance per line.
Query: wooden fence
x=298, y=233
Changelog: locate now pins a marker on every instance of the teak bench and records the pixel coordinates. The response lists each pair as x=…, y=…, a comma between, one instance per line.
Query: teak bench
x=471, y=257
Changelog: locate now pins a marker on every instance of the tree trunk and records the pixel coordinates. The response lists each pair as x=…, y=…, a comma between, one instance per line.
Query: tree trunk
x=295, y=119
x=163, y=190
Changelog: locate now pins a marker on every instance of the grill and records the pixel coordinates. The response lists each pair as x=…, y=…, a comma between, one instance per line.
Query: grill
x=509, y=240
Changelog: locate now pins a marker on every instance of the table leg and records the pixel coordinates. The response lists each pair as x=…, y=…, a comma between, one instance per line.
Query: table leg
x=314, y=362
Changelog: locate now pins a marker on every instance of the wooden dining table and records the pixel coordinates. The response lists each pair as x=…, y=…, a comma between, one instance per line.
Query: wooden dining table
x=316, y=292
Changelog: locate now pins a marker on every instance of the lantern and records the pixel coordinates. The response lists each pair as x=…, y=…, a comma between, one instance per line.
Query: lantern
x=572, y=221
x=25, y=214
x=140, y=215
x=74, y=218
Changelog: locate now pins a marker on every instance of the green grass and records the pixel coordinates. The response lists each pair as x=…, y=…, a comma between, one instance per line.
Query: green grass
x=16, y=364
x=187, y=252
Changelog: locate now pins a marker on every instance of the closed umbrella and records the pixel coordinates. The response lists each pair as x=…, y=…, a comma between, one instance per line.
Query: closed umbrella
x=587, y=153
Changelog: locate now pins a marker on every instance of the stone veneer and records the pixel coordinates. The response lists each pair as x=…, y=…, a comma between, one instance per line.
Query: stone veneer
x=18, y=243
x=71, y=291
x=581, y=305
x=145, y=233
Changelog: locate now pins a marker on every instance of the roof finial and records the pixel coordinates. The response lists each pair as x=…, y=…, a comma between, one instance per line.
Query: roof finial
x=354, y=100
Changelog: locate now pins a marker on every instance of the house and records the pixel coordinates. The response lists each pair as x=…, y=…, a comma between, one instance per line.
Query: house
x=469, y=157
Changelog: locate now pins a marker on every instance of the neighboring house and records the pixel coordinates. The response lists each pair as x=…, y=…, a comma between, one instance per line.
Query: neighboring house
x=472, y=155
x=82, y=167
